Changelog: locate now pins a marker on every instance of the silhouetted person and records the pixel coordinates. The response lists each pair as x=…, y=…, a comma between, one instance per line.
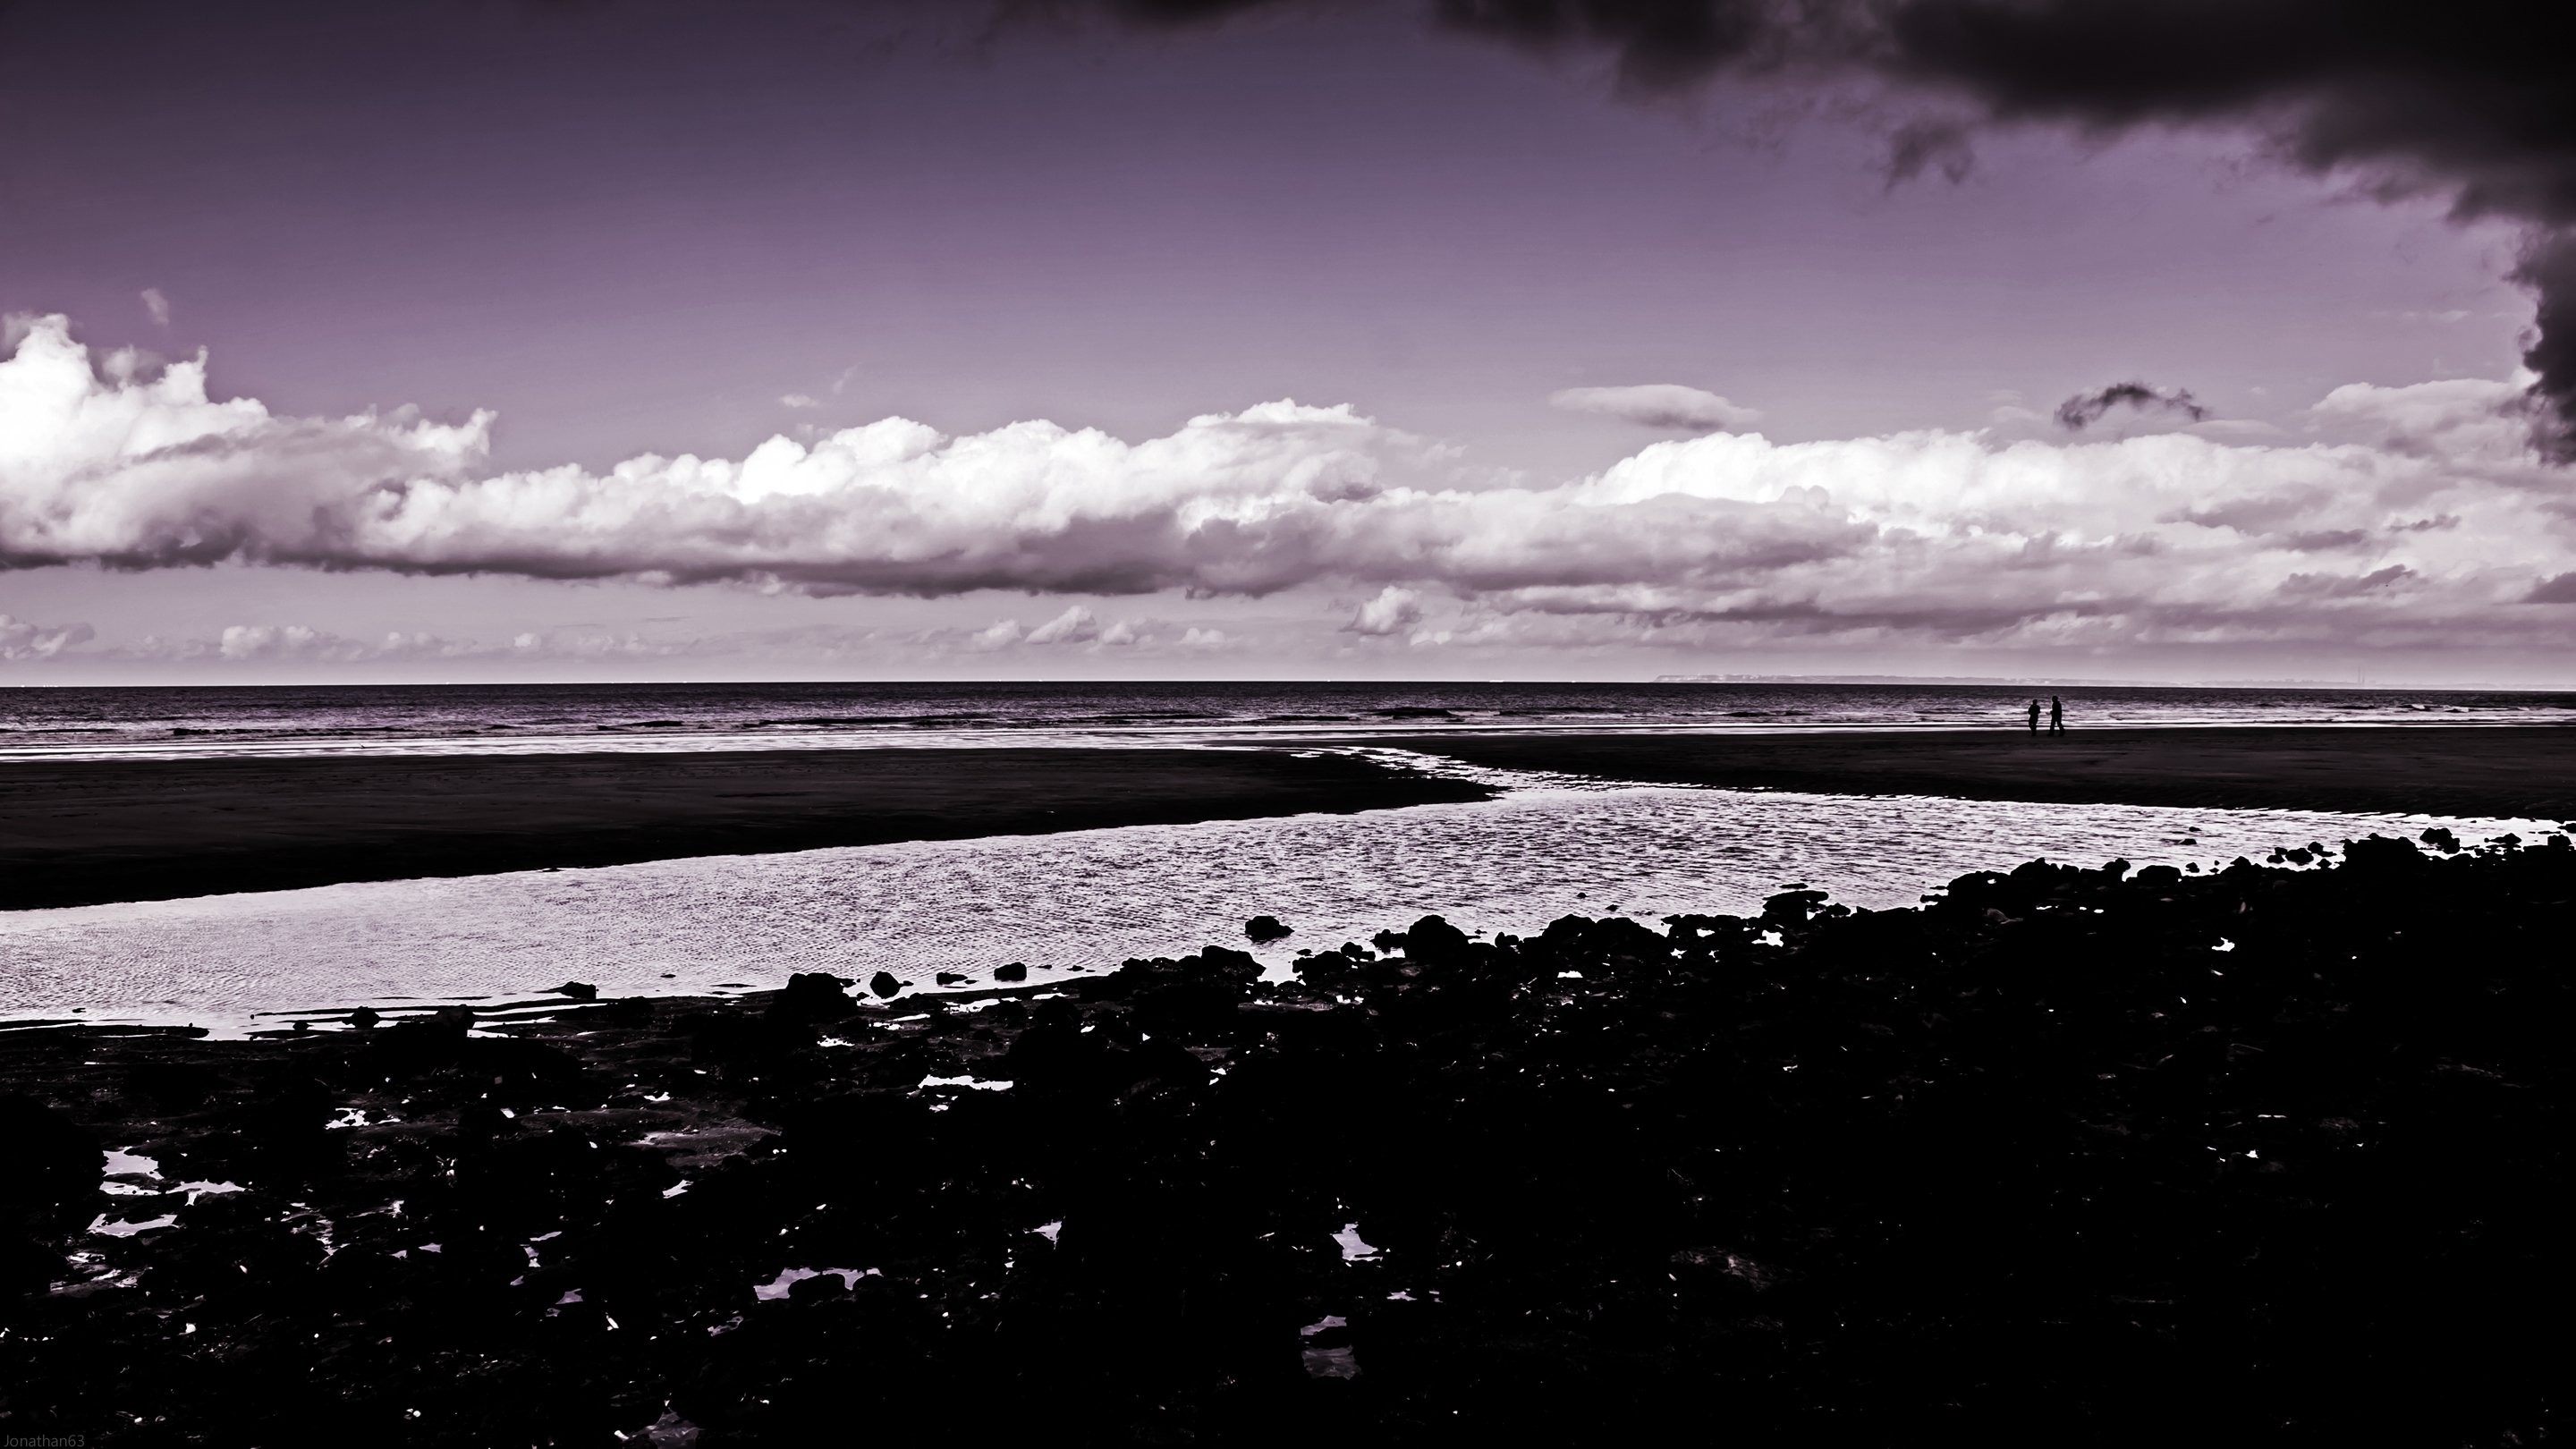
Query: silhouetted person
x=2034, y=716
x=2056, y=715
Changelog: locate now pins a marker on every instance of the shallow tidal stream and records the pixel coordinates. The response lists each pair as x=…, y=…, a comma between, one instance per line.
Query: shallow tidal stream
x=721, y=924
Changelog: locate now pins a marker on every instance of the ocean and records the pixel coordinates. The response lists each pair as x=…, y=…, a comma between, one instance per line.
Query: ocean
x=1085, y=900
x=172, y=723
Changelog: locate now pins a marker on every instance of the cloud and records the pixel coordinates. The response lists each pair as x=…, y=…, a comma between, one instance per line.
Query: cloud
x=305, y=644
x=1393, y=611
x=1003, y=634
x=1924, y=536
x=2086, y=408
x=157, y=305
x=2560, y=590
x=21, y=640
x=1658, y=405
x=799, y=400
x=1076, y=625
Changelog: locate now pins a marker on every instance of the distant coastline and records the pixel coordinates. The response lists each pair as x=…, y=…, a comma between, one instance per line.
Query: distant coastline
x=2055, y=681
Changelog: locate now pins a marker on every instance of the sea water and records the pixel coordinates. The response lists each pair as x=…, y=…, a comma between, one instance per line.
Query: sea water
x=182, y=723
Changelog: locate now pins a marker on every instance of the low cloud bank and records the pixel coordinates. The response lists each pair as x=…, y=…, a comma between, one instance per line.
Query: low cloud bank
x=22, y=640
x=2431, y=521
x=2084, y=409
x=1659, y=405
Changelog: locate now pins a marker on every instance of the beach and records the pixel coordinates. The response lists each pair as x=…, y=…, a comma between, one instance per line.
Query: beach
x=91, y=831
x=2427, y=770
x=2126, y=1150
x=2262, y=1171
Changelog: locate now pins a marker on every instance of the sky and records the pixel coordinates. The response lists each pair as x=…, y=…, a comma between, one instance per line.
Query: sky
x=804, y=339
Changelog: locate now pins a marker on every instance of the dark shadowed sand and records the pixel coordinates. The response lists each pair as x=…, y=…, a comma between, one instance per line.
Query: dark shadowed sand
x=2527, y=772
x=76, y=833
x=79, y=833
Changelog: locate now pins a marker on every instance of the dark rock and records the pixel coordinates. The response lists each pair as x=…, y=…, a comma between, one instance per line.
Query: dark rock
x=817, y=1288
x=364, y=1018
x=627, y=1011
x=1326, y=969
x=1265, y=929
x=1807, y=1177
x=949, y=978
x=725, y=1037
x=1016, y=971
x=54, y=1167
x=812, y=996
x=482, y=1119
x=578, y=990
x=885, y=983
x=2382, y=854
x=175, y=1086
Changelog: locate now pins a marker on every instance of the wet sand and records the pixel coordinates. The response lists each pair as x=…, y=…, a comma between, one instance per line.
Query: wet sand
x=87, y=832
x=2430, y=770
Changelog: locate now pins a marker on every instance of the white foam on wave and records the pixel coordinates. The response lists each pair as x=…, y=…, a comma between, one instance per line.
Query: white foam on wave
x=718, y=924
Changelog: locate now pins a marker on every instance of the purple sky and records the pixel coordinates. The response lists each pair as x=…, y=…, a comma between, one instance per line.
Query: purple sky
x=664, y=229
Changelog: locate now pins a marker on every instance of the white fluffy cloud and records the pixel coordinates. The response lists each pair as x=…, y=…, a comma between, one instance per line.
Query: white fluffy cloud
x=22, y=640
x=1076, y=625
x=1394, y=610
x=1659, y=405
x=2415, y=515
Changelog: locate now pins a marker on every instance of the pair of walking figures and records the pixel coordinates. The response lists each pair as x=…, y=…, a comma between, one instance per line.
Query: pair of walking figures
x=2056, y=715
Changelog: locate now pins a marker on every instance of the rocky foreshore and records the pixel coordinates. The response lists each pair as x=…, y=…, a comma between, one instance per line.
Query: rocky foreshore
x=2065, y=1156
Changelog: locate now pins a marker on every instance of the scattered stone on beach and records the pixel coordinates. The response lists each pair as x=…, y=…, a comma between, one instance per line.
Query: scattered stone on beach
x=885, y=983
x=812, y=996
x=1016, y=971
x=578, y=990
x=49, y=1189
x=1265, y=929
x=2062, y=1156
x=950, y=978
x=364, y=1017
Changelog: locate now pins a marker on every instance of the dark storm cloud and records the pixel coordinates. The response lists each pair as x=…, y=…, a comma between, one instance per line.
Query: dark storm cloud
x=2549, y=269
x=2476, y=100
x=2084, y=409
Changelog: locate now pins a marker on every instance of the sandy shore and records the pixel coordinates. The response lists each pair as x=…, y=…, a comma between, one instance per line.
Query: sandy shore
x=80, y=833
x=2491, y=772
x=84, y=832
